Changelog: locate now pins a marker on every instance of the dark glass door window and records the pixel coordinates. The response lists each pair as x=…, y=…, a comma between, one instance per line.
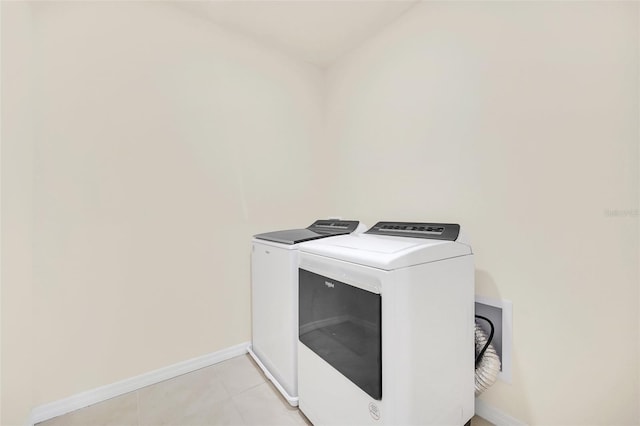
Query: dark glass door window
x=341, y=324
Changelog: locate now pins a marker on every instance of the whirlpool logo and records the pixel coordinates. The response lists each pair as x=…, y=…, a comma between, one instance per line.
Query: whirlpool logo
x=328, y=284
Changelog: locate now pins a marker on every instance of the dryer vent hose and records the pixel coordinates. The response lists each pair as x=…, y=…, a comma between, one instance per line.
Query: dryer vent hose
x=487, y=360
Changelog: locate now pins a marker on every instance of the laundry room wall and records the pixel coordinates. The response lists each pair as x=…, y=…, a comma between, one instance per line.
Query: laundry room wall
x=16, y=226
x=518, y=120
x=161, y=144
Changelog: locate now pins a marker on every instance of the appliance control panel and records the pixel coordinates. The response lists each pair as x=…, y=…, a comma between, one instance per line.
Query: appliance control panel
x=331, y=226
x=433, y=231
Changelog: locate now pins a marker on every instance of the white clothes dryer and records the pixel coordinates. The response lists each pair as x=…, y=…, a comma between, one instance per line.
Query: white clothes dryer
x=386, y=327
x=274, y=299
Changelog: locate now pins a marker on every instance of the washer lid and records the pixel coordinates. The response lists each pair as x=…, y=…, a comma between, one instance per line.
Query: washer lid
x=386, y=252
x=290, y=236
x=318, y=229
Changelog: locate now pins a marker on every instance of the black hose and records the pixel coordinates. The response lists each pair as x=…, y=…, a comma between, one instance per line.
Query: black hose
x=481, y=353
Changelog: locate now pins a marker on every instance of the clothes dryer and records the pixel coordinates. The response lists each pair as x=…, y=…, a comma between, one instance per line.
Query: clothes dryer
x=386, y=327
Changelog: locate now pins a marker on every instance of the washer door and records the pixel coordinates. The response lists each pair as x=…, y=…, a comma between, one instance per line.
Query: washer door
x=341, y=324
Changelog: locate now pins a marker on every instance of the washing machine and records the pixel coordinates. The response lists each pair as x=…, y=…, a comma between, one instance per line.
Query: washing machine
x=386, y=327
x=274, y=299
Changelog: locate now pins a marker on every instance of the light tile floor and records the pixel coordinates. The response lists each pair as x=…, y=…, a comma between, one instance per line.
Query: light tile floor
x=234, y=392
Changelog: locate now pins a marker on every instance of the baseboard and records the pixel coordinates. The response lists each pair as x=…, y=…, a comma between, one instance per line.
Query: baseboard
x=495, y=416
x=84, y=399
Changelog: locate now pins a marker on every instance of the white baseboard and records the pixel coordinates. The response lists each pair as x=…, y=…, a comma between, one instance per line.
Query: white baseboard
x=495, y=416
x=84, y=399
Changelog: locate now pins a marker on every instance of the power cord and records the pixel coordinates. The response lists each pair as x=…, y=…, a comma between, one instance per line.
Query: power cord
x=481, y=353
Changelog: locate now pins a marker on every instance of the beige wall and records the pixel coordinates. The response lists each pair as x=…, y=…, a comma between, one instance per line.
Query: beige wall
x=520, y=121
x=161, y=144
x=17, y=215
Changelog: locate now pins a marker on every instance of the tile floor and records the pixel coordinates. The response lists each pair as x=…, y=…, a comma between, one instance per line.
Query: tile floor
x=233, y=392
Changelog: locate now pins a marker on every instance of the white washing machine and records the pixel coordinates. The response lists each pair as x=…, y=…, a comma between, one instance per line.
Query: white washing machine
x=274, y=299
x=386, y=327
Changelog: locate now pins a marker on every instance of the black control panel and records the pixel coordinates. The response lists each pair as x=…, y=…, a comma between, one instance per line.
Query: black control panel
x=333, y=226
x=432, y=231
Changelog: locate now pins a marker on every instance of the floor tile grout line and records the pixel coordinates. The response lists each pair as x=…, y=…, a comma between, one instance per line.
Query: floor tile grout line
x=249, y=388
x=225, y=386
x=238, y=410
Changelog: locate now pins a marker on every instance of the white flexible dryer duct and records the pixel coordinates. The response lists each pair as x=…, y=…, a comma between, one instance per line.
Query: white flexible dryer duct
x=488, y=367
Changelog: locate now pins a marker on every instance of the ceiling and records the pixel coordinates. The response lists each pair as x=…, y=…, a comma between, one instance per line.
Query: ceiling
x=316, y=31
